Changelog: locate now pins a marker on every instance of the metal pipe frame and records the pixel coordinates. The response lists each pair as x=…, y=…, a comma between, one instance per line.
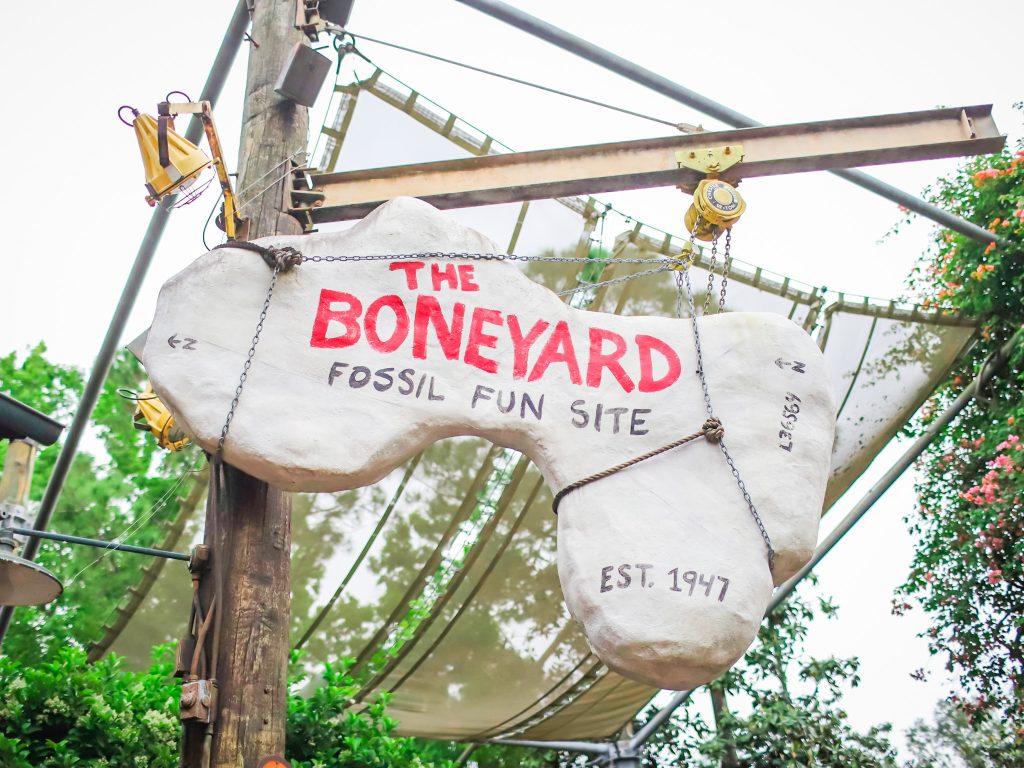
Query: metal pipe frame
x=98, y=543
x=659, y=84
x=597, y=168
x=229, y=47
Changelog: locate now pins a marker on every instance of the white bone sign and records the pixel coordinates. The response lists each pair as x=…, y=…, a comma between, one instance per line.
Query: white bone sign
x=361, y=364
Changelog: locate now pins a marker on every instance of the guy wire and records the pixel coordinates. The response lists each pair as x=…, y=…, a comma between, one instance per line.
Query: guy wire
x=678, y=126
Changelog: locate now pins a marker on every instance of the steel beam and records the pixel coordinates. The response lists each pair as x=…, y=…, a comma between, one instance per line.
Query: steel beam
x=766, y=151
x=660, y=84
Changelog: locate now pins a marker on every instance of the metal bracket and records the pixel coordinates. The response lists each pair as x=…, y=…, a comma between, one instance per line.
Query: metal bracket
x=198, y=701
x=307, y=18
x=304, y=197
x=710, y=160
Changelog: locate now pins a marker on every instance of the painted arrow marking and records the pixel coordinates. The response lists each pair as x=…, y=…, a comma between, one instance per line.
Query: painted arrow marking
x=796, y=366
x=173, y=341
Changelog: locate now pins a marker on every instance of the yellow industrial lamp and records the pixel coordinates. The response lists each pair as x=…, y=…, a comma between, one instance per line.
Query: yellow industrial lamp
x=173, y=164
x=151, y=415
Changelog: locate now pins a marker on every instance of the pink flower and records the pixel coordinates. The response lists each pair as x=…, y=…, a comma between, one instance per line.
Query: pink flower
x=1002, y=461
x=995, y=576
x=1008, y=443
x=988, y=173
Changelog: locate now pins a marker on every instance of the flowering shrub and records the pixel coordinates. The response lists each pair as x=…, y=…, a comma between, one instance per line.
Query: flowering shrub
x=968, y=569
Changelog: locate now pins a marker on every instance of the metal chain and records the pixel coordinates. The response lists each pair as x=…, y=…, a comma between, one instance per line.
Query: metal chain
x=248, y=363
x=667, y=263
x=684, y=286
x=711, y=274
x=290, y=257
x=725, y=269
x=615, y=280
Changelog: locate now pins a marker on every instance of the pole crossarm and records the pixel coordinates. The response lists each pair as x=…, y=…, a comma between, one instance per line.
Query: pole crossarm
x=593, y=169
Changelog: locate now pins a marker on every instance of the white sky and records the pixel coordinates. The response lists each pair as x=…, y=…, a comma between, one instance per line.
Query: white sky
x=73, y=210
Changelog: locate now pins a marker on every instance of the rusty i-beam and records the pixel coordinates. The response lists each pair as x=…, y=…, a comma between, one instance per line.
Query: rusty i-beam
x=597, y=168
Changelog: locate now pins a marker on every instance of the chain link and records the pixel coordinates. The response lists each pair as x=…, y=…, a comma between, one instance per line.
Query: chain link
x=725, y=270
x=248, y=363
x=616, y=280
x=684, y=290
x=685, y=287
x=666, y=262
x=711, y=274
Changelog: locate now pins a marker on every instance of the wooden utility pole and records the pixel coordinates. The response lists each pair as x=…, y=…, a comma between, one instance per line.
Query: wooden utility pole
x=250, y=540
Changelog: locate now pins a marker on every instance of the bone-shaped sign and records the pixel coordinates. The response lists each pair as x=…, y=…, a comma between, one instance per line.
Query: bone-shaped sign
x=362, y=364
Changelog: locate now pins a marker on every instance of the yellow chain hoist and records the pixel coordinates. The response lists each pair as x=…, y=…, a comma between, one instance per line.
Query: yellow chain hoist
x=152, y=415
x=716, y=204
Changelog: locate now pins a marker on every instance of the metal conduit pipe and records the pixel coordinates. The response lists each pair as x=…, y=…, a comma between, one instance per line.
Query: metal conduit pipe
x=876, y=492
x=99, y=543
x=229, y=47
x=633, y=71
x=586, y=747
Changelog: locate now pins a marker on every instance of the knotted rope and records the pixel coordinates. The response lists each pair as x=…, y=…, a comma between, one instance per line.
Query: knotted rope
x=279, y=259
x=712, y=431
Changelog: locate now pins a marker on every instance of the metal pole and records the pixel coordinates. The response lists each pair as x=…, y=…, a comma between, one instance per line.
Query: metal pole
x=586, y=747
x=99, y=543
x=991, y=367
x=158, y=221
x=633, y=71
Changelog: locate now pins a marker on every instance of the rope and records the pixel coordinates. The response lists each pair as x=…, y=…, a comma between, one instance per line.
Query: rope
x=279, y=259
x=712, y=431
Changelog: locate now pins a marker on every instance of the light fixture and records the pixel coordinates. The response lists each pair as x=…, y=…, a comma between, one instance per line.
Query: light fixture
x=23, y=582
x=173, y=164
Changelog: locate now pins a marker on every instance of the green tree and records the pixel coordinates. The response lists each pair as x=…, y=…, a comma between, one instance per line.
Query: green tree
x=791, y=713
x=968, y=568
x=129, y=481
x=953, y=741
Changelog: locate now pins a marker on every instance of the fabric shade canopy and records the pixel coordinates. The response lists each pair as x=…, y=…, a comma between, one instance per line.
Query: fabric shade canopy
x=441, y=580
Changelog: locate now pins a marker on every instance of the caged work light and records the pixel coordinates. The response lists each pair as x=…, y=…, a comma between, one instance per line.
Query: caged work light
x=22, y=582
x=174, y=165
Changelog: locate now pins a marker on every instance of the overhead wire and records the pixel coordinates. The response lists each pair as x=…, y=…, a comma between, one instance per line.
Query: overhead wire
x=684, y=127
x=130, y=531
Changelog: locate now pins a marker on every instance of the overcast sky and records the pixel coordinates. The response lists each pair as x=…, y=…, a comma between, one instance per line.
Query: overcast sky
x=74, y=214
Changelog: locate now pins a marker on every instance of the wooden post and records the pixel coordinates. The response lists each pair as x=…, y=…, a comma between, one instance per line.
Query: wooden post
x=254, y=519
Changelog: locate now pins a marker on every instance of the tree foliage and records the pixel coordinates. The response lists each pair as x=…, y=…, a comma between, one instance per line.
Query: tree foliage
x=64, y=712
x=120, y=479
x=791, y=713
x=953, y=741
x=968, y=569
